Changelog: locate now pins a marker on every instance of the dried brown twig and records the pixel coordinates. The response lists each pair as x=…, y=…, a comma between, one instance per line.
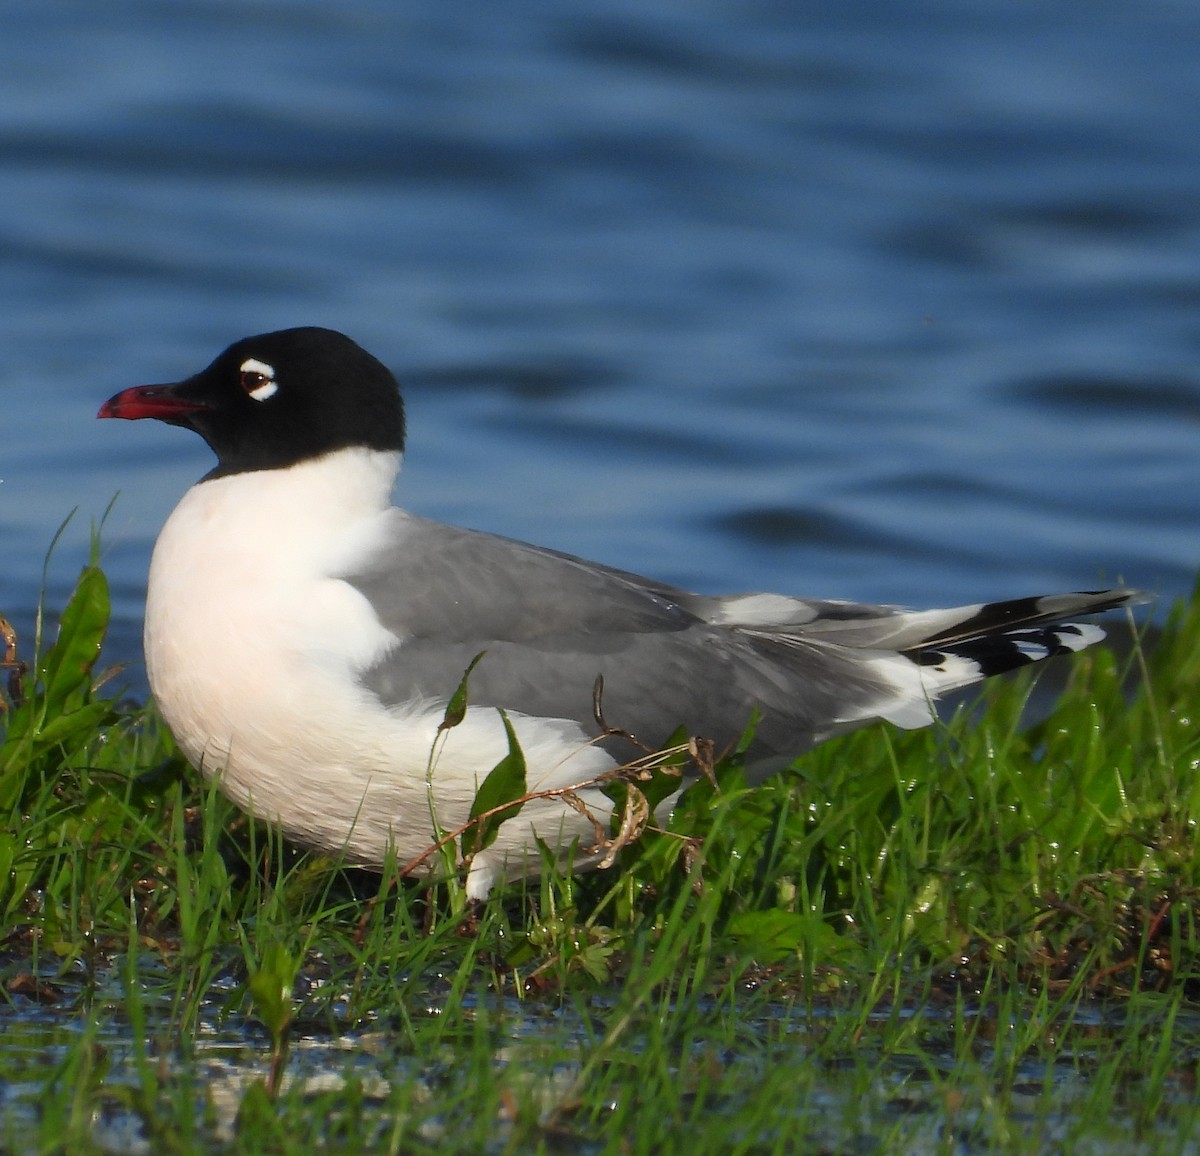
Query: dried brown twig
x=635, y=816
x=15, y=681
x=635, y=813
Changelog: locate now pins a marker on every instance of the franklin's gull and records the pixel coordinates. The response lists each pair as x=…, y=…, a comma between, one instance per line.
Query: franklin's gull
x=303, y=636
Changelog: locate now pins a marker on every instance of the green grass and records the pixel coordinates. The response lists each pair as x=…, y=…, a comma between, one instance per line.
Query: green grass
x=979, y=937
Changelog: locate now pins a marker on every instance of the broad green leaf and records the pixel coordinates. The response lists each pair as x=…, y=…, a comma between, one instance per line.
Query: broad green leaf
x=504, y=785
x=76, y=727
x=71, y=731
x=773, y=936
x=270, y=987
x=456, y=708
x=67, y=665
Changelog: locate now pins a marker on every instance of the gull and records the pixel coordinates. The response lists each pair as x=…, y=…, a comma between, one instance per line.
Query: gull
x=304, y=637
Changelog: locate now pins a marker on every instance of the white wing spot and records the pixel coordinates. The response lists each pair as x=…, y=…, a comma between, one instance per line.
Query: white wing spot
x=761, y=611
x=258, y=379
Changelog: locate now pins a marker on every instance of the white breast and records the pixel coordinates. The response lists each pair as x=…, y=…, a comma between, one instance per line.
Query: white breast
x=253, y=650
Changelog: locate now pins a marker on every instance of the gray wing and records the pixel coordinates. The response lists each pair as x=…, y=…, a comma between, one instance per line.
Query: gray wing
x=551, y=623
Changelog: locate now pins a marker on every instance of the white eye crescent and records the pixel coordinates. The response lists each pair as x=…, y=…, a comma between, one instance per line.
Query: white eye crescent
x=258, y=379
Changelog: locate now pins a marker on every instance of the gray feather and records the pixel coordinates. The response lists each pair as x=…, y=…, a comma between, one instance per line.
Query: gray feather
x=551, y=624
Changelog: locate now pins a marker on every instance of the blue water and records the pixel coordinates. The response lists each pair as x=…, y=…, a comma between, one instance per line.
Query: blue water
x=887, y=302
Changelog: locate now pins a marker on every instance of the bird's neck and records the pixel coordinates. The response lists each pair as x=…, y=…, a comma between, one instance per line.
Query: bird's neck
x=325, y=506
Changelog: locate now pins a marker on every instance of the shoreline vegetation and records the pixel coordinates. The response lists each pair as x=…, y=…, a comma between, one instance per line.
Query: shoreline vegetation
x=981, y=936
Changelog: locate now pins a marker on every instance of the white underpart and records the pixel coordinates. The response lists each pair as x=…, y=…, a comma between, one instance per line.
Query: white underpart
x=917, y=688
x=269, y=387
x=910, y=703
x=253, y=651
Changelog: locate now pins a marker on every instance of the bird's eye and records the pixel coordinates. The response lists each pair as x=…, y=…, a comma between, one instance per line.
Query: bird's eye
x=257, y=378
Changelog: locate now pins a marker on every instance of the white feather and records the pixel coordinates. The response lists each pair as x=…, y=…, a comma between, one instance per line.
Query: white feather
x=240, y=584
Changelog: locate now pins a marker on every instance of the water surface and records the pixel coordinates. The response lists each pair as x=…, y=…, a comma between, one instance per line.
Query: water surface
x=898, y=305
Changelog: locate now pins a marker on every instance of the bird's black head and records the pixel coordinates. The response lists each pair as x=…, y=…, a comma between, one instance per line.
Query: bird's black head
x=280, y=398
